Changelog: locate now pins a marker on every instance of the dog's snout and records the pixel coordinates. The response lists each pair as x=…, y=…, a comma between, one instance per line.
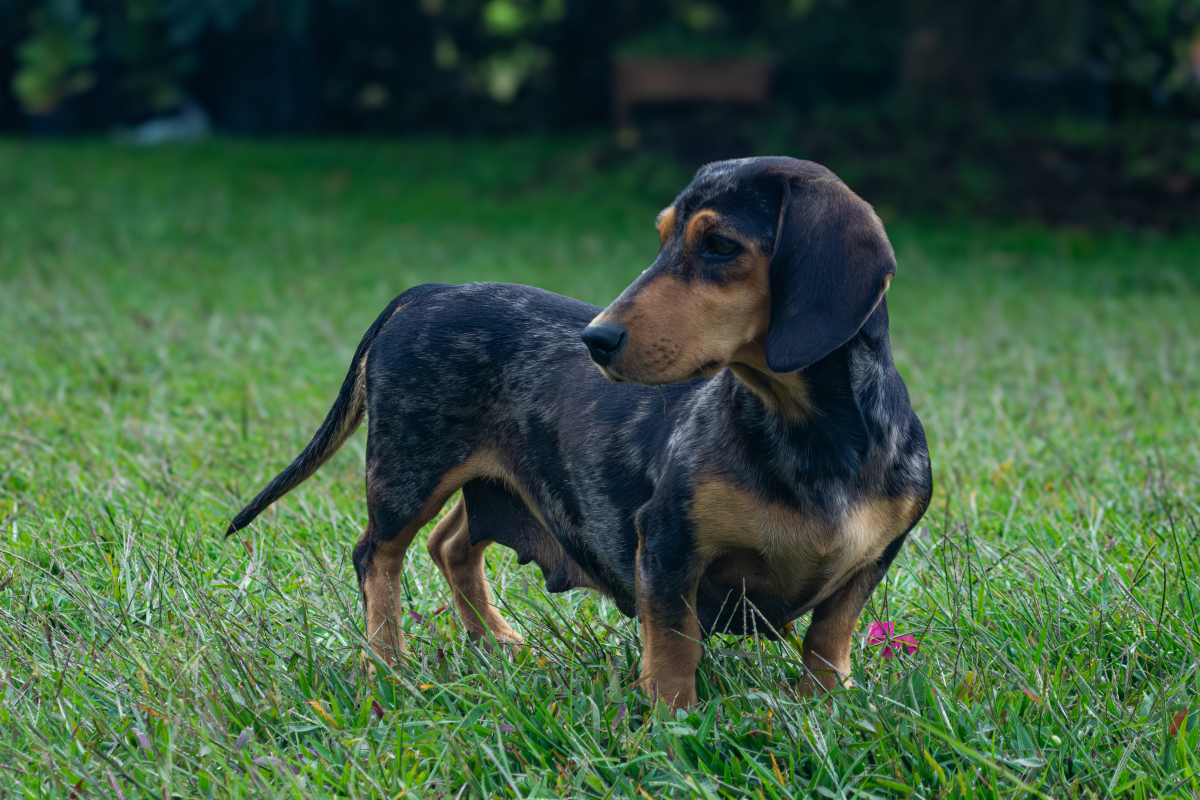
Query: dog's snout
x=603, y=341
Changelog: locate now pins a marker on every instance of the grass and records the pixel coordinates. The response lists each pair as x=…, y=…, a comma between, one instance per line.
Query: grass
x=174, y=325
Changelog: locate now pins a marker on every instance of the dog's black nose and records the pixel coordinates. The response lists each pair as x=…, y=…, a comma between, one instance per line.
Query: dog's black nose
x=603, y=341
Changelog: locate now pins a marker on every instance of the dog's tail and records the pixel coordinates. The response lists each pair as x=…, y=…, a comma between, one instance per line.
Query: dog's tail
x=340, y=424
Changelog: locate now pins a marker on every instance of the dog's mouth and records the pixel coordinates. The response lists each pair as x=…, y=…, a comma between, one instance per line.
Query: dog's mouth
x=705, y=370
x=609, y=375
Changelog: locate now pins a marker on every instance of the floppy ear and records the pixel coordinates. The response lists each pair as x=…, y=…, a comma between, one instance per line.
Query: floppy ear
x=830, y=268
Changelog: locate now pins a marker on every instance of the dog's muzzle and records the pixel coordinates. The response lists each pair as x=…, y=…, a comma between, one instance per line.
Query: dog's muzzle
x=603, y=342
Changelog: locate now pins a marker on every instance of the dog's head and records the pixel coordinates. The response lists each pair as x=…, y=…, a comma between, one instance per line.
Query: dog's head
x=772, y=262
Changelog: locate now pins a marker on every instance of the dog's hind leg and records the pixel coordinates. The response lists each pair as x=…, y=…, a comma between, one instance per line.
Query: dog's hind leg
x=379, y=566
x=461, y=564
x=379, y=563
x=398, y=506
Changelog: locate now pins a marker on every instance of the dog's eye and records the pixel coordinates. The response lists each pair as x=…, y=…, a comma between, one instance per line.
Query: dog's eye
x=722, y=246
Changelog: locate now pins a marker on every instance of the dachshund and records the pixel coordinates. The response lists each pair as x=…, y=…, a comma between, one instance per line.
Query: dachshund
x=725, y=447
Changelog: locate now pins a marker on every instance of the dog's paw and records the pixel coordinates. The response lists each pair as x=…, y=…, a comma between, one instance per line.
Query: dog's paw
x=507, y=639
x=381, y=652
x=818, y=683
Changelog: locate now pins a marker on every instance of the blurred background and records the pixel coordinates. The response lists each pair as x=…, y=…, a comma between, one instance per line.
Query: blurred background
x=1083, y=112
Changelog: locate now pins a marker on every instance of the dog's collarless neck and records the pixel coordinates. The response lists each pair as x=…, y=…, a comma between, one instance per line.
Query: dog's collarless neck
x=833, y=437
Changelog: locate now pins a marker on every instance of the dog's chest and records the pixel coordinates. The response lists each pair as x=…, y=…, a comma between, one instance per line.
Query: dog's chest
x=773, y=551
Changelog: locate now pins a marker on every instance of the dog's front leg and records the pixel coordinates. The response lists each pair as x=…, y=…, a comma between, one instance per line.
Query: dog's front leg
x=671, y=646
x=830, y=634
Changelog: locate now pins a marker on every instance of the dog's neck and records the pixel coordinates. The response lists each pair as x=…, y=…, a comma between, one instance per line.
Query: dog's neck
x=799, y=397
x=828, y=408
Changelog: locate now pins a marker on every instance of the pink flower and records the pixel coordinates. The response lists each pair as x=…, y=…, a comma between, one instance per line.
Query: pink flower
x=884, y=633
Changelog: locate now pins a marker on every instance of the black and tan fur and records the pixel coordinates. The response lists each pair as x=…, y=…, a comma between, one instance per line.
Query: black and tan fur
x=745, y=454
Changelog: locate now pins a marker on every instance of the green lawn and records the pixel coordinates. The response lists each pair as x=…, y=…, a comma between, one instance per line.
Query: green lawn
x=174, y=326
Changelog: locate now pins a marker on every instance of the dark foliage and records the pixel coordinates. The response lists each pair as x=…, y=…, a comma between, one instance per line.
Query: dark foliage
x=1131, y=175
x=281, y=66
x=933, y=105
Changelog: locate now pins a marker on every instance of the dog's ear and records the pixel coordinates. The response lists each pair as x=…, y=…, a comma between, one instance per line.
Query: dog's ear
x=831, y=266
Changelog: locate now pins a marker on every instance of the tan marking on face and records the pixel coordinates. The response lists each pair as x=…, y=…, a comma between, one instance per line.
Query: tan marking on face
x=774, y=549
x=678, y=330
x=701, y=222
x=665, y=224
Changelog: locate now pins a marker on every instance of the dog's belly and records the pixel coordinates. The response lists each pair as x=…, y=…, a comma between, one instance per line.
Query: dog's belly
x=496, y=512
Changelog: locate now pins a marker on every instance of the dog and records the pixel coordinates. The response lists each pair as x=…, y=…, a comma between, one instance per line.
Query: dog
x=725, y=447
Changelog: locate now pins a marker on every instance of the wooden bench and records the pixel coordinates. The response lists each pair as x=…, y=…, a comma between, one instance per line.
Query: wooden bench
x=653, y=80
